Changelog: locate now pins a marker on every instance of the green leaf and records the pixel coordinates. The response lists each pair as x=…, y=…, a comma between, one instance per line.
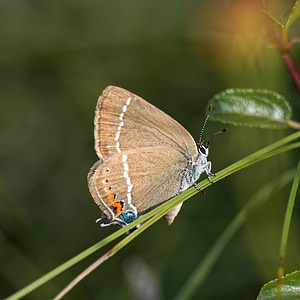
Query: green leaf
x=272, y=20
x=290, y=288
x=251, y=107
x=294, y=14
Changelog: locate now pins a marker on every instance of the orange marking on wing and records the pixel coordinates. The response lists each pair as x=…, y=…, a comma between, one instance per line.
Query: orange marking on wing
x=108, y=188
x=111, y=197
x=118, y=207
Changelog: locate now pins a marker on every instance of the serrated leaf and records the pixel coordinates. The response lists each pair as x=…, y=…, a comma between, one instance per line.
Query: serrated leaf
x=290, y=288
x=251, y=107
x=294, y=14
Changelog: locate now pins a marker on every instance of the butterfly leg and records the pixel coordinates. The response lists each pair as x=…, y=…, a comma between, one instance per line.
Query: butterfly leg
x=102, y=224
x=115, y=221
x=198, y=189
x=208, y=171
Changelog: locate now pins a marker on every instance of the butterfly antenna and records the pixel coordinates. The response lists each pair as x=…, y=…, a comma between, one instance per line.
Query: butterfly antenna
x=204, y=124
x=218, y=132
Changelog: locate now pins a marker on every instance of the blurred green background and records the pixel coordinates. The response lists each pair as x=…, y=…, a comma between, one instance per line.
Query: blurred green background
x=56, y=58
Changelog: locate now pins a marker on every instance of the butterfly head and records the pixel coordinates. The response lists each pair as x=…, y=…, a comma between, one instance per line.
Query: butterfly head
x=203, y=150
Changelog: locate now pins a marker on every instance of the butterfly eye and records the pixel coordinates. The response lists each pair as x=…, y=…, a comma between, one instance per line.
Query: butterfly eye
x=202, y=150
x=207, y=145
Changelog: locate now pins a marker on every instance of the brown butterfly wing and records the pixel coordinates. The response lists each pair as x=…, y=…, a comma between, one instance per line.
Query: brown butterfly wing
x=154, y=173
x=125, y=121
x=156, y=147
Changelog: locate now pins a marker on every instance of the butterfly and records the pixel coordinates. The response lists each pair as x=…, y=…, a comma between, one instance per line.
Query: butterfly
x=145, y=157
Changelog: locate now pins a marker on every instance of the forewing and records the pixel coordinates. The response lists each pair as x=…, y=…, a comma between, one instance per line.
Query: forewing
x=125, y=121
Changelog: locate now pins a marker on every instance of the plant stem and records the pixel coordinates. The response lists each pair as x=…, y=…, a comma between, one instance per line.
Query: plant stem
x=208, y=262
x=283, y=46
x=284, y=39
x=292, y=69
x=277, y=147
x=286, y=228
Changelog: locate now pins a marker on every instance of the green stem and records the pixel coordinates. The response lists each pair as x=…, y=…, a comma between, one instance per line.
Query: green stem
x=284, y=39
x=213, y=255
x=289, y=211
x=202, y=270
x=161, y=210
x=286, y=227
